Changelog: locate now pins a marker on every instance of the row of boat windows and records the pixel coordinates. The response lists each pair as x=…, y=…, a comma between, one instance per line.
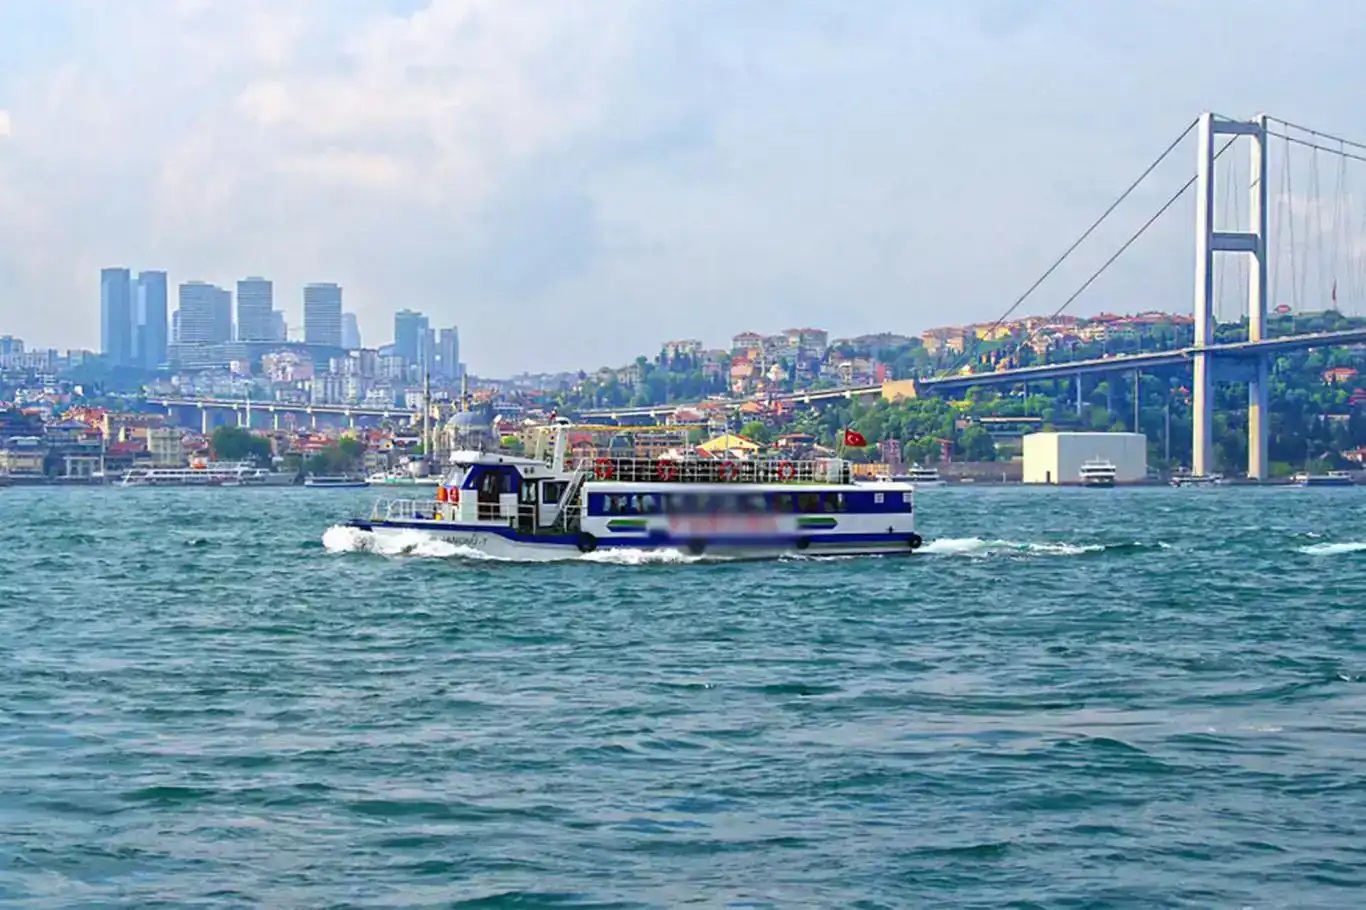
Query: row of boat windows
x=751, y=503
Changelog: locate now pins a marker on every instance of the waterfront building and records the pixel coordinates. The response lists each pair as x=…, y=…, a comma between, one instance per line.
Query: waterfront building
x=255, y=310
x=323, y=314
x=116, y=316
x=150, y=319
x=204, y=314
x=279, y=330
x=9, y=345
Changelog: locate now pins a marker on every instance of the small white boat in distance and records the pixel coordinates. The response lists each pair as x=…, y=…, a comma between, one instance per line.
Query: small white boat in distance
x=337, y=482
x=1196, y=480
x=921, y=476
x=1097, y=473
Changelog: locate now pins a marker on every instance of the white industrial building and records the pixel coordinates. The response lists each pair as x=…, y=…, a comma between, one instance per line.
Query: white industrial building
x=1057, y=458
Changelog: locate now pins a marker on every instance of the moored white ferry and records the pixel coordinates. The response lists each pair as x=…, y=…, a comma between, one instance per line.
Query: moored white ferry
x=553, y=502
x=211, y=474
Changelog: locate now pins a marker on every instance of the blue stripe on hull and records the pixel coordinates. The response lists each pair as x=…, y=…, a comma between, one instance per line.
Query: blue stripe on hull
x=651, y=540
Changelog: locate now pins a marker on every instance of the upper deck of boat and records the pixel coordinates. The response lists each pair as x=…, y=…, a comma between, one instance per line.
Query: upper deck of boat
x=717, y=470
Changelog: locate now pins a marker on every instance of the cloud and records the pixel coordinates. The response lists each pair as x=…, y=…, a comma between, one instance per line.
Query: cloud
x=573, y=182
x=5, y=126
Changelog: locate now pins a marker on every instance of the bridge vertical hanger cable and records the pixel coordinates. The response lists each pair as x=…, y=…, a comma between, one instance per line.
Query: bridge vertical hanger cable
x=1320, y=263
x=1301, y=251
x=1240, y=264
x=1337, y=231
x=1278, y=222
x=969, y=350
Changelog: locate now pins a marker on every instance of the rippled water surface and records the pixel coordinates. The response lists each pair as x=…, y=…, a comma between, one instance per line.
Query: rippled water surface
x=1145, y=697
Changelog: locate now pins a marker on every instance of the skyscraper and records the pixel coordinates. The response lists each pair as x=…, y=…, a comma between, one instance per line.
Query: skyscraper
x=350, y=332
x=205, y=314
x=149, y=319
x=410, y=335
x=279, y=330
x=116, y=316
x=448, y=353
x=323, y=314
x=255, y=310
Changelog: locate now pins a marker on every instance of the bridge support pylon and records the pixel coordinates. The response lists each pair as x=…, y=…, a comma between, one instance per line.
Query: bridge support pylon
x=1208, y=241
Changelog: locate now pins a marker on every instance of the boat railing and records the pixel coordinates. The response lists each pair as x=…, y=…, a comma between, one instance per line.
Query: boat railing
x=714, y=470
x=404, y=510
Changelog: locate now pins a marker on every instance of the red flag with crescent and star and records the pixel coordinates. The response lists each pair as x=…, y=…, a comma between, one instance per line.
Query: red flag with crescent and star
x=854, y=439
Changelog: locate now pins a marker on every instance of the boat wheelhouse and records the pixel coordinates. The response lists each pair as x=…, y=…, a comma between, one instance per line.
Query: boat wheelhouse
x=571, y=493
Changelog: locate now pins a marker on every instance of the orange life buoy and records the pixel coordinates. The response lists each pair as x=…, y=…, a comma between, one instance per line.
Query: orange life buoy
x=730, y=470
x=602, y=469
x=441, y=495
x=787, y=470
x=666, y=470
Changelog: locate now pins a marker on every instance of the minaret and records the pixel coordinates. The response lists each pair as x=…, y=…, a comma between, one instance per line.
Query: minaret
x=427, y=415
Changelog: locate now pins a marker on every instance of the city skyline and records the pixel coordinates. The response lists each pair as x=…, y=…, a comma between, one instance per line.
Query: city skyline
x=649, y=167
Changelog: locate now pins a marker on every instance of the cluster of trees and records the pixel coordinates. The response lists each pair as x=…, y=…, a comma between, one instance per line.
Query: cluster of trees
x=661, y=382
x=344, y=456
x=239, y=444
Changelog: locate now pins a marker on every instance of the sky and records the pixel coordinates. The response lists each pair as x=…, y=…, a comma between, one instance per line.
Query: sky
x=573, y=183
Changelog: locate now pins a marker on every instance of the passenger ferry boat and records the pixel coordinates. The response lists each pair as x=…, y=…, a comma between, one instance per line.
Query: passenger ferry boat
x=1097, y=473
x=553, y=502
x=1331, y=479
x=211, y=474
x=923, y=476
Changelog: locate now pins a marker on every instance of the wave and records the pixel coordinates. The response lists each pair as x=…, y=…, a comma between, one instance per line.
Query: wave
x=422, y=545
x=342, y=539
x=976, y=546
x=620, y=556
x=1333, y=549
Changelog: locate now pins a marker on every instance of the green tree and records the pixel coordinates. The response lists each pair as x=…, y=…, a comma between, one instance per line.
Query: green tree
x=239, y=444
x=756, y=431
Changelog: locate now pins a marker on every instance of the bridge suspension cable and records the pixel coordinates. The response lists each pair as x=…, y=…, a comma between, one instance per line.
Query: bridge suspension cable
x=1123, y=247
x=1132, y=238
x=1079, y=241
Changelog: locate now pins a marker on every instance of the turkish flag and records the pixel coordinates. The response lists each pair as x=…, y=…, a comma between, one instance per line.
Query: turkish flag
x=854, y=439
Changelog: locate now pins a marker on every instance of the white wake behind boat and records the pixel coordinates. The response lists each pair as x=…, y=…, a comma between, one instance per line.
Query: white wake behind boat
x=551, y=504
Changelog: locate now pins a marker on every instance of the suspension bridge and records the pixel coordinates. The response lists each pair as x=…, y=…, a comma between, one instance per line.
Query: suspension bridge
x=1306, y=252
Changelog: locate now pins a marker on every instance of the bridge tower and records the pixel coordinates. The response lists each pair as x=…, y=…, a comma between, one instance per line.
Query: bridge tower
x=1208, y=241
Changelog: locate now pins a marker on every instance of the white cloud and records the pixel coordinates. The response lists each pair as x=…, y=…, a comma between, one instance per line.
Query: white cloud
x=615, y=173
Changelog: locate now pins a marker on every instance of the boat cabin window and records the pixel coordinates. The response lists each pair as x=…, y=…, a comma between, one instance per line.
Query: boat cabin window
x=751, y=503
x=551, y=491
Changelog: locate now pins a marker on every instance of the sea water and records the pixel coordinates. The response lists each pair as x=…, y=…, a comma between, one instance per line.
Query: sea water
x=1145, y=697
